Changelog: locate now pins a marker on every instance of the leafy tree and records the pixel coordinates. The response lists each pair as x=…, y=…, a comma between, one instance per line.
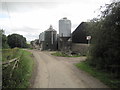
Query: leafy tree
x=37, y=42
x=31, y=43
x=16, y=40
x=3, y=39
x=105, y=45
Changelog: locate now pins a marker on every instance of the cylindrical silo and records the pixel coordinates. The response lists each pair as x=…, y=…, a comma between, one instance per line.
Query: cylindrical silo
x=41, y=40
x=64, y=27
x=64, y=34
x=50, y=39
x=41, y=37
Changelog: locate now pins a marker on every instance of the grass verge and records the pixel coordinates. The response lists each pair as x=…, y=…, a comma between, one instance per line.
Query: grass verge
x=21, y=74
x=104, y=77
x=8, y=54
x=63, y=54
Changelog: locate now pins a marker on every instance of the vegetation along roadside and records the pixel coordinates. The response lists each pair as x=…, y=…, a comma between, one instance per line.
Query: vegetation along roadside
x=105, y=77
x=22, y=71
x=64, y=54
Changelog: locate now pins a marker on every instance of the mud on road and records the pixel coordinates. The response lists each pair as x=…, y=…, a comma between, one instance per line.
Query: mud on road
x=60, y=72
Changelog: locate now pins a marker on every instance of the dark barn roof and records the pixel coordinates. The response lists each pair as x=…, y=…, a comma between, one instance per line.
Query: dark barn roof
x=79, y=35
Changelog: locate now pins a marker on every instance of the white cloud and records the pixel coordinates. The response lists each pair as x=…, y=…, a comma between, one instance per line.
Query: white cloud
x=30, y=19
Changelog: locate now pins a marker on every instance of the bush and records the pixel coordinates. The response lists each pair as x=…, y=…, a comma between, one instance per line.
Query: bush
x=61, y=54
x=105, y=43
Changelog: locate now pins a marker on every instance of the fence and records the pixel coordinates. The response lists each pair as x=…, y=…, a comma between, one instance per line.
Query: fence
x=7, y=63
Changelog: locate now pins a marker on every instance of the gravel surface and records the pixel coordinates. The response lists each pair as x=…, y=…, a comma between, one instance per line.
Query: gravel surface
x=60, y=72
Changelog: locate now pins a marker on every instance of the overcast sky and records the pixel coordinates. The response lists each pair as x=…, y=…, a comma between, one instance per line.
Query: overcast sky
x=31, y=17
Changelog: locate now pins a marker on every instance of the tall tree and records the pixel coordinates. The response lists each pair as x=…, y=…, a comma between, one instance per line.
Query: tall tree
x=106, y=39
x=3, y=39
x=16, y=40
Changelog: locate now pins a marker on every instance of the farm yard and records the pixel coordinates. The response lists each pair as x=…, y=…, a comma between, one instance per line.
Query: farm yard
x=78, y=51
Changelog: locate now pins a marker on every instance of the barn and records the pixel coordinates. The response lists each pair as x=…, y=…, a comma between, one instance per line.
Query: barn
x=80, y=33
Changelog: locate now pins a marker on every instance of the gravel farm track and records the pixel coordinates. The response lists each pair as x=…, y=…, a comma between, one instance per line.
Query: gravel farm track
x=60, y=72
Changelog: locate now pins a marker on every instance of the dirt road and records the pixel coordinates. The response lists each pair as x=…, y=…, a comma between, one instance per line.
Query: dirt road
x=59, y=72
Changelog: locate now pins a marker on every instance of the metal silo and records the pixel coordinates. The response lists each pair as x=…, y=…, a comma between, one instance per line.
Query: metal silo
x=41, y=40
x=64, y=27
x=50, y=39
x=64, y=34
x=41, y=37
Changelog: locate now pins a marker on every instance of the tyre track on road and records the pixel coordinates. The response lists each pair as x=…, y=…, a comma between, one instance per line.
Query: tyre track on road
x=54, y=73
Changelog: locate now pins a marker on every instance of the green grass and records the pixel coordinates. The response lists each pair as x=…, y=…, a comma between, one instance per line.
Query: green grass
x=104, y=77
x=63, y=54
x=21, y=74
x=26, y=67
x=8, y=54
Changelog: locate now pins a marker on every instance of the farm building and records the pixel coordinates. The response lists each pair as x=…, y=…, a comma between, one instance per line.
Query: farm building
x=79, y=40
x=80, y=33
x=48, y=39
x=65, y=41
x=41, y=40
x=64, y=34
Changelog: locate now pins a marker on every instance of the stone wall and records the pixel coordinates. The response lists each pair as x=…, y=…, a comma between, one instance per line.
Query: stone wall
x=79, y=48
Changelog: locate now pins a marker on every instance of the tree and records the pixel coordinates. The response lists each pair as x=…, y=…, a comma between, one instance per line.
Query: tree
x=105, y=47
x=16, y=40
x=37, y=42
x=31, y=43
x=3, y=39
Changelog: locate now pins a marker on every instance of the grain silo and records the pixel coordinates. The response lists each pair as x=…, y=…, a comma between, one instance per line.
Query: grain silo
x=65, y=28
x=41, y=37
x=64, y=34
x=41, y=40
x=50, y=39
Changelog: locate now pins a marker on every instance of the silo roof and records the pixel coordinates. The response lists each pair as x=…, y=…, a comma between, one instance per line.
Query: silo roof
x=50, y=28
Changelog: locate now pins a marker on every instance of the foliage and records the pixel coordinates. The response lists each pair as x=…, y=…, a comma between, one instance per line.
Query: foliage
x=22, y=72
x=105, y=43
x=37, y=42
x=16, y=40
x=32, y=43
x=27, y=45
x=64, y=55
x=105, y=77
x=4, y=39
x=10, y=54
